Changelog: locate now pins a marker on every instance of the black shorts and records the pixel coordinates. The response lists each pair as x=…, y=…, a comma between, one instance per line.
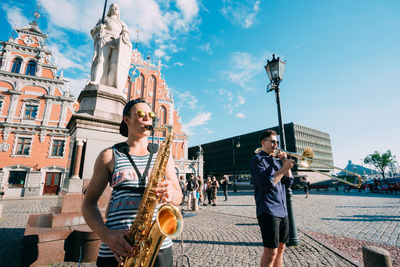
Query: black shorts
x=274, y=230
x=164, y=259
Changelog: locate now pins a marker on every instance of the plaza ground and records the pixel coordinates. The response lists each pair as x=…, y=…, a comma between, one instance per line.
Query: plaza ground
x=228, y=234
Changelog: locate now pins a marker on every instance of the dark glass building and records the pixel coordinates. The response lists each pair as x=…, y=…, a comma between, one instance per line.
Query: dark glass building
x=231, y=156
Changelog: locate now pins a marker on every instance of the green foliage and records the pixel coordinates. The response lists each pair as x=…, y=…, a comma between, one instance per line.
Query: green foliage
x=380, y=161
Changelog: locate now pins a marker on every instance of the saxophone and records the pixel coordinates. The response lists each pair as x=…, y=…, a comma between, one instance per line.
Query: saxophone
x=144, y=235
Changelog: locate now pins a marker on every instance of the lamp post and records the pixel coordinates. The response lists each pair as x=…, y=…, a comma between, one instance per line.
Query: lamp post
x=237, y=145
x=199, y=153
x=275, y=69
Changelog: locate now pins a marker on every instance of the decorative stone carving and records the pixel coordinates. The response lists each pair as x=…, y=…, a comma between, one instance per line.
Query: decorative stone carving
x=42, y=136
x=4, y=147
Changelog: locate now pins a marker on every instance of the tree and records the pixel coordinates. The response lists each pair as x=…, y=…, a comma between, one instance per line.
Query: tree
x=380, y=161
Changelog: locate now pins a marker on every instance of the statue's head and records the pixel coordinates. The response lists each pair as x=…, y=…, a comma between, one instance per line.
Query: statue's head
x=113, y=10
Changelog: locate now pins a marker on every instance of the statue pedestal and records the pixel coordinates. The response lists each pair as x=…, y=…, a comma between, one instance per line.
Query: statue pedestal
x=63, y=235
x=102, y=101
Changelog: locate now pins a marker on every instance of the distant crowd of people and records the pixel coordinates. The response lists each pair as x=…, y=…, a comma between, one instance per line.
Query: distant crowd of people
x=382, y=186
x=204, y=191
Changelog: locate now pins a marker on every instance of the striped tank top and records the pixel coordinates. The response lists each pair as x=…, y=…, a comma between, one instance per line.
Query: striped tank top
x=124, y=203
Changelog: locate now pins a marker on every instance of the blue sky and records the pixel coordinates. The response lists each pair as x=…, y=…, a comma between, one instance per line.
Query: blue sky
x=342, y=72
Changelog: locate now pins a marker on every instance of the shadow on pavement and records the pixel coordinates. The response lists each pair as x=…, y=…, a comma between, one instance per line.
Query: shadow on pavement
x=361, y=218
x=368, y=207
x=10, y=248
x=222, y=243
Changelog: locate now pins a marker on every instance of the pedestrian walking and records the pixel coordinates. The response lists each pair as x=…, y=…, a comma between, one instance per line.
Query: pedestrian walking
x=224, y=185
x=214, y=190
x=205, y=193
x=270, y=178
x=306, y=187
x=3, y=190
x=200, y=188
x=209, y=190
x=191, y=190
x=182, y=184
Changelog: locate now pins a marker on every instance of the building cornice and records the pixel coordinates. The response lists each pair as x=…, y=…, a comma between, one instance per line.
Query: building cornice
x=20, y=127
x=59, y=98
x=25, y=47
x=31, y=78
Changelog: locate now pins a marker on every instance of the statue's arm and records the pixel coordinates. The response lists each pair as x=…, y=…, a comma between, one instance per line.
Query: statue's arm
x=125, y=33
x=98, y=31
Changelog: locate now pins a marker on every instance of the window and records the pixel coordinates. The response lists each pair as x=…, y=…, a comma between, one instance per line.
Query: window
x=154, y=92
x=30, y=112
x=31, y=68
x=23, y=146
x=141, y=85
x=58, y=148
x=163, y=119
x=17, y=62
x=17, y=178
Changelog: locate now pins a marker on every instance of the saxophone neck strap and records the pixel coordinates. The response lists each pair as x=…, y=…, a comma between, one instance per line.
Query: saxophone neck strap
x=124, y=148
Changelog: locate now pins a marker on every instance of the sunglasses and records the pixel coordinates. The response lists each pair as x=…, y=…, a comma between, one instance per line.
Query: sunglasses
x=273, y=142
x=142, y=113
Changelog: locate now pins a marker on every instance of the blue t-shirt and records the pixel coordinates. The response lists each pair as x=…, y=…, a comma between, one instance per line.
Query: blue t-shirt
x=270, y=198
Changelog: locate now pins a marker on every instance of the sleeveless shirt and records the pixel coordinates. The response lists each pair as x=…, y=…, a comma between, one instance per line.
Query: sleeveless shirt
x=124, y=203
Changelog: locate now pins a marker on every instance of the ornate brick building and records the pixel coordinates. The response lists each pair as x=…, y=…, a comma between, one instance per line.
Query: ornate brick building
x=149, y=84
x=35, y=107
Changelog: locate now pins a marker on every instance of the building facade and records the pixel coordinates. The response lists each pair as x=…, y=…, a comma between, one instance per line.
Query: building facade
x=231, y=156
x=35, y=107
x=146, y=82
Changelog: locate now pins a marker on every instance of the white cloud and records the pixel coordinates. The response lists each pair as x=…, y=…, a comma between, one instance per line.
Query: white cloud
x=242, y=13
x=207, y=48
x=244, y=68
x=179, y=64
x=241, y=100
x=76, y=86
x=67, y=57
x=15, y=16
x=200, y=119
x=229, y=100
x=156, y=20
x=240, y=115
x=185, y=100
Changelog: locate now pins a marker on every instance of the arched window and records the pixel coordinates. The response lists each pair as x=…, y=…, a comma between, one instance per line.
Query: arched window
x=141, y=86
x=163, y=118
x=16, y=67
x=31, y=68
x=154, y=82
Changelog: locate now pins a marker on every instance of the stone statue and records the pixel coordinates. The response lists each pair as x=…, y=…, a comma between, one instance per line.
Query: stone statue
x=112, y=50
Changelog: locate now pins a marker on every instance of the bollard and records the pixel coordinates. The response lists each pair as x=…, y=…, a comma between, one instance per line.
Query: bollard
x=376, y=257
x=195, y=204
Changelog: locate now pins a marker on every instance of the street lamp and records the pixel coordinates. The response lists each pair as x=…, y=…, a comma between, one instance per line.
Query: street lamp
x=275, y=69
x=237, y=145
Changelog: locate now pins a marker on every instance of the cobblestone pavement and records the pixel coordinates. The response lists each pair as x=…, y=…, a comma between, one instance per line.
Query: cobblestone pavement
x=13, y=220
x=217, y=236
x=363, y=216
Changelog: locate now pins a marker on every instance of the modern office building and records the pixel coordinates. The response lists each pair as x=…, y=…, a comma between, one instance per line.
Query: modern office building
x=231, y=156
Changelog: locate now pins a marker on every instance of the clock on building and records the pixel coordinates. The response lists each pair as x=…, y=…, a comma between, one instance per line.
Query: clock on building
x=133, y=72
x=29, y=40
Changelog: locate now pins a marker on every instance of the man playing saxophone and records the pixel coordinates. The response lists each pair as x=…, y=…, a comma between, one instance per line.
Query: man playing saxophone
x=128, y=183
